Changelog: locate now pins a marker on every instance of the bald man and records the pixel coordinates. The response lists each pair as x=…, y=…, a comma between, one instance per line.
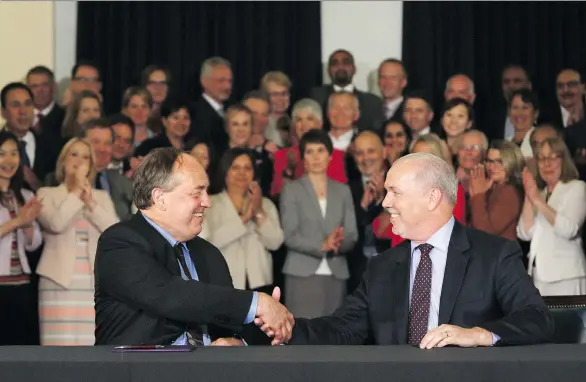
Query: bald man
x=460, y=86
x=446, y=285
x=367, y=193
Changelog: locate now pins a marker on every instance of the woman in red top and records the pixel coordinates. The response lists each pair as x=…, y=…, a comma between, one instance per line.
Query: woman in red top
x=429, y=143
x=306, y=115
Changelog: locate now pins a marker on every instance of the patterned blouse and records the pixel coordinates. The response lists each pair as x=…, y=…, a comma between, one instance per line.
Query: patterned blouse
x=17, y=275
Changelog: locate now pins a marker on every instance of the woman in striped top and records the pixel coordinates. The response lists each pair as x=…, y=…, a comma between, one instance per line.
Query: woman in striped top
x=19, y=232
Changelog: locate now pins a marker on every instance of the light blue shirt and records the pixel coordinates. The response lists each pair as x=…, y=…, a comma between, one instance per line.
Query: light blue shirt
x=182, y=340
x=439, y=255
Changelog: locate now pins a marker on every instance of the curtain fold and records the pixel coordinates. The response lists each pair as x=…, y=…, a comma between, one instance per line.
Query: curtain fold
x=480, y=38
x=124, y=37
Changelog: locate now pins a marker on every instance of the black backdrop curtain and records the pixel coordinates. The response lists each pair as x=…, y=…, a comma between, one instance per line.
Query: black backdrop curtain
x=124, y=37
x=480, y=38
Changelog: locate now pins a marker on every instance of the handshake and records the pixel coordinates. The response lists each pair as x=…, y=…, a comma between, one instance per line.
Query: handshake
x=273, y=318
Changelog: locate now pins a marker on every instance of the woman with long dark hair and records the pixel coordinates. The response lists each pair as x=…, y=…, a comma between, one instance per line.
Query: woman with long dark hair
x=19, y=232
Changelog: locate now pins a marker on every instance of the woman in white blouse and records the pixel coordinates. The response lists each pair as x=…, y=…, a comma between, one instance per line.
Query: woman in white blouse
x=553, y=214
x=242, y=223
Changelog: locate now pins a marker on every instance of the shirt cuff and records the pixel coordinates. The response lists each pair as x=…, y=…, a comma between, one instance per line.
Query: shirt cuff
x=495, y=339
x=252, y=311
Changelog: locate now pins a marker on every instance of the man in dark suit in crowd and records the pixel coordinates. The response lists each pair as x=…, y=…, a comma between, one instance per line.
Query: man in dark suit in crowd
x=48, y=115
x=418, y=114
x=157, y=282
x=367, y=193
x=341, y=69
x=38, y=151
x=207, y=112
x=392, y=80
x=446, y=285
x=569, y=108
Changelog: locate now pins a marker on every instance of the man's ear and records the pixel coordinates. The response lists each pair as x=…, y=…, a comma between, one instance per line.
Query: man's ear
x=435, y=197
x=158, y=196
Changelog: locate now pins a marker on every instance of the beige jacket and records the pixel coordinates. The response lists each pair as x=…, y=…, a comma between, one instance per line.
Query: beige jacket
x=244, y=246
x=60, y=211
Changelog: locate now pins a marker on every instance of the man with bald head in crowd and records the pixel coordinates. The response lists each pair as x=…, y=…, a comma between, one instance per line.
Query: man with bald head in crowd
x=367, y=193
x=392, y=80
x=460, y=86
x=341, y=69
x=445, y=285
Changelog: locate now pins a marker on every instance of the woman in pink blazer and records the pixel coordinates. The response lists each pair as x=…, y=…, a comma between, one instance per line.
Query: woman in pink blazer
x=73, y=217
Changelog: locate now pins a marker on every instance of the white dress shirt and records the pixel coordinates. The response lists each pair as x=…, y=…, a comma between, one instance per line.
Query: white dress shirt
x=526, y=149
x=347, y=88
x=31, y=146
x=439, y=255
x=565, y=115
x=392, y=106
x=343, y=141
x=218, y=107
x=43, y=112
x=324, y=268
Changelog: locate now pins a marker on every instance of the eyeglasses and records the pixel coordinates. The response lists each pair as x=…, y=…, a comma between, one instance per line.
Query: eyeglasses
x=157, y=83
x=493, y=161
x=471, y=148
x=279, y=94
x=86, y=79
x=397, y=135
x=549, y=159
x=570, y=84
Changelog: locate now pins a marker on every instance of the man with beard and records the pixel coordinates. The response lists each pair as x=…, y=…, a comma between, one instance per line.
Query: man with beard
x=341, y=69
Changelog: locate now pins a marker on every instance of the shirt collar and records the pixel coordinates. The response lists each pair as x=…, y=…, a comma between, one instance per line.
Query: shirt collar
x=164, y=233
x=441, y=238
x=217, y=106
x=348, y=88
x=46, y=110
x=394, y=104
x=343, y=141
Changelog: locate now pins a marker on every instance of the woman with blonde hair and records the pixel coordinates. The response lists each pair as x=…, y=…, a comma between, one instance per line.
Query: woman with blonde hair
x=137, y=104
x=72, y=218
x=278, y=86
x=496, y=192
x=85, y=106
x=552, y=218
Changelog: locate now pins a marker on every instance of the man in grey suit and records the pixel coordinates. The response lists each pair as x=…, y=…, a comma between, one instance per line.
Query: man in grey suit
x=319, y=225
x=341, y=69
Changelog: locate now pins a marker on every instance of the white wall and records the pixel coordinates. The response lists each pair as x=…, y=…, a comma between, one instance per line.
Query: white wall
x=371, y=30
x=27, y=38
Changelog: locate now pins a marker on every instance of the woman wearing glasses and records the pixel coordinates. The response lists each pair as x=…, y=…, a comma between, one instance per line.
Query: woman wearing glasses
x=553, y=213
x=496, y=192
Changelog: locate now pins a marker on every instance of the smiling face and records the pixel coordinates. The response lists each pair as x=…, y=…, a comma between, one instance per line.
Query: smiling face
x=241, y=174
x=305, y=120
x=523, y=114
x=549, y=164
x=9, y=159
x=368, y=154
x=79, y=156
x=456, y=120
x=396, y=137
x=239, y=127
x=494, y=166
x=177, y=123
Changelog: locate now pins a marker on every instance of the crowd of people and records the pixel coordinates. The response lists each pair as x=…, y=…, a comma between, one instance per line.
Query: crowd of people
x=304, y=179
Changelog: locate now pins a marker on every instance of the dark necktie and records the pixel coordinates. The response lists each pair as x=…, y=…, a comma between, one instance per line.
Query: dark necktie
x=98, y=184
x=420, y=297
x=24, y=159
x=194, y=333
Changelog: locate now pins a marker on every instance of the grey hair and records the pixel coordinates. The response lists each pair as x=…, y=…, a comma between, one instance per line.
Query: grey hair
x=462, y=75
x=211, y=63
x=478, y=133
x=434, y=172
x=308, y=105
x=338, y=94
x=155, y=171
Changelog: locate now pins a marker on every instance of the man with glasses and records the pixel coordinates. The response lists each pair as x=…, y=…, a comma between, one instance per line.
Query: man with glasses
x=570, y=95
x=84, y=76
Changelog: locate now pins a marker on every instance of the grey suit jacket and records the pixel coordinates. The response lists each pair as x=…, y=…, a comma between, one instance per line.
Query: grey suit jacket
x=120, y=192
x=305, y=228
x=371, y=107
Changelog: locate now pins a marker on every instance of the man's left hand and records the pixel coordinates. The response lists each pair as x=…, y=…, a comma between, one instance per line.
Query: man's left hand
x=227, y=341
x=455, y=335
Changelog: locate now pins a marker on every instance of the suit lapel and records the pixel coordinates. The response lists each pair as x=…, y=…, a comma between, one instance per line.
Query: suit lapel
x=330, y=204
x=162, y=249
x=315, y=203
x=454, y=273
x=400, y=288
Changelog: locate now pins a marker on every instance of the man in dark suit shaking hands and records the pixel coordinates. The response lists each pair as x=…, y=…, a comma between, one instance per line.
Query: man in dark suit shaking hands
x=157, y=283
x=446, y=285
